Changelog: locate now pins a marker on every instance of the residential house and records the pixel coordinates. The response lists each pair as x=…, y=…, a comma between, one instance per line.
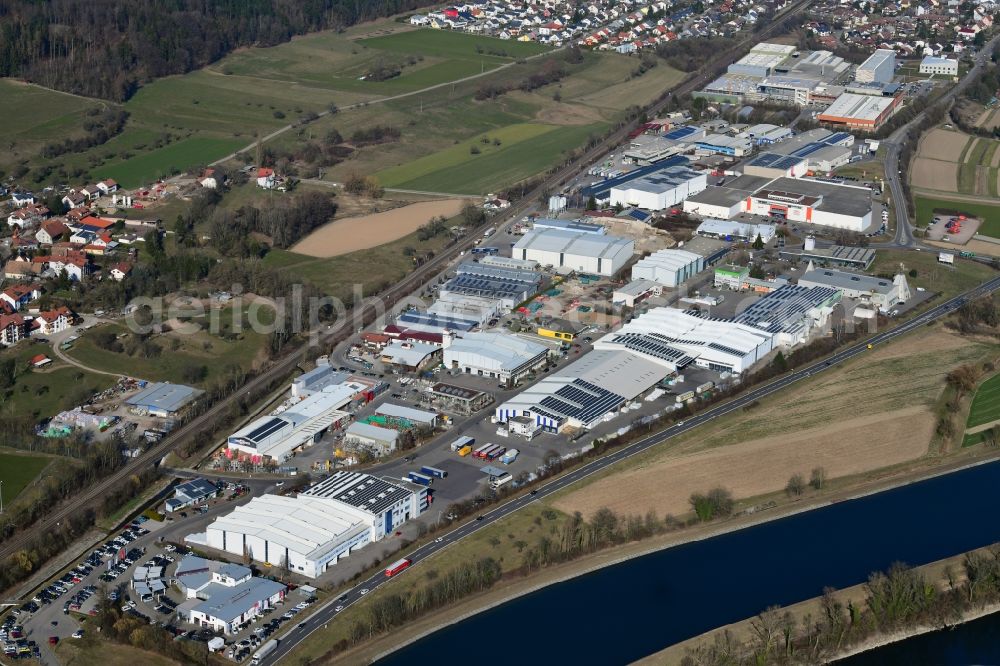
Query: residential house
x=211, y=179
x=13, y=327
x=107, y=187
x=121, y=271
x=54, y=321
x=18, y=267
x=19, y=295
x=22, y=198
x=75, y=199
x=265, y=178
x=51, y=231
x=76, y=264
x=90, y=191
x=27, y=216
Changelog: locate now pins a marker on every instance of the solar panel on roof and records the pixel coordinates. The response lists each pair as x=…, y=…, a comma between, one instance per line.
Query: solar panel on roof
x=809, y=149
x=266, y=429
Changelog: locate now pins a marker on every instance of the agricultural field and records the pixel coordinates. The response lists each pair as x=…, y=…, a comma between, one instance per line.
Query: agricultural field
x=986, y=404
x=95, y=651
x=44, y=392
x=192, y=343
x=478, y=165
x=35, y=116
x=849, y=420
x=949, y=161
x=925, y=205
x=17, y=470
x=209, y=113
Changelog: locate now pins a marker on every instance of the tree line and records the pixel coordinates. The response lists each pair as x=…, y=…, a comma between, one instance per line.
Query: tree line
x=108, y=49
x=283, y=221
x=102, y=127
x=897, y=600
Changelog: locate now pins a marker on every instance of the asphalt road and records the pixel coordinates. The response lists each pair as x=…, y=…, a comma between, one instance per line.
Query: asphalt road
x=327, y=612
x=904, y=231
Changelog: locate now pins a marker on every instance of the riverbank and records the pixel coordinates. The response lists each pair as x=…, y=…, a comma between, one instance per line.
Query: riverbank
x=941, y=573
x=513, y=588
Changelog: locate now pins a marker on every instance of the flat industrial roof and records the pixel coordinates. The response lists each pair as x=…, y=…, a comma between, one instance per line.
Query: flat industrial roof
x=363, y=491
x=775, y=161
x=507, y=352
x=664, y=181
x=671, y=260
x=858, y=107
x=844, y=280
x=878, y=58
x=844, y=199
x=574, y=243
x=161, y=395
x=371, y=431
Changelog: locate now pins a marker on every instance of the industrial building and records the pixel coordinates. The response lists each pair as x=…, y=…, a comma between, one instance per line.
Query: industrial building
x=730, y=277
x=575, y=251
x=223, y=597
x=878, y=292
x=725, y=144
x=765, y=134
x=791, y=312
x=778, y=73
x=411, y=356
x=943, y=66
x=726, y=201
x=880, y=67
x=509, y=286
x=410, y=416
x=163, y=399
x=773, y=165
x=838, y=255
x=190, y=493
x=569, y=225
x=647, y=149
x=601, y=190
x=458, y=399
x=660, y=190
x=303, y=423
x=496, y=355
x=509, y=262
x=741, y=231
x=811, y=201
x=313, y=531
x=762, y=60
x=429, y=322
x=381, y=440
x=457, y=306
x=863, y=112
x=635, y=291
x=668, y=267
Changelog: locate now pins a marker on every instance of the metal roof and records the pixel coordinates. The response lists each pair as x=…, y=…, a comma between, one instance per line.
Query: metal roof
x=848, y=281
x=774, y=161
x=161, y=395
x=362, y=491
x=369, y=431
x=573, y=243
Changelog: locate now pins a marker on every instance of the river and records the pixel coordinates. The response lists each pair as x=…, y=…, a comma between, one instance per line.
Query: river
x=630, y=610
x=975, y=642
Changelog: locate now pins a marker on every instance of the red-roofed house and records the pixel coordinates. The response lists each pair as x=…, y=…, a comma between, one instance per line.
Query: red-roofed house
x=92, y=223
x=265, y=178
x=53, y=321
x=39, y=360
x=12, y=329
x=121, y=271
x=19, y=295
x=51, y=231
x=28, y=216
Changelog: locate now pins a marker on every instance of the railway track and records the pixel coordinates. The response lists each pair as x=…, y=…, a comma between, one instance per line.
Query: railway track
x=284, y=366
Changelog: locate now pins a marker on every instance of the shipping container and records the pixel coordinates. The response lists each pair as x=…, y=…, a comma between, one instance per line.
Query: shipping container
x=684, y=397
x=464, y=451
x=704, y=387
x=396, y=567
x=434, y=471
x=509, y=457
x=461, y=442
x=422, y=479
x=496, y=453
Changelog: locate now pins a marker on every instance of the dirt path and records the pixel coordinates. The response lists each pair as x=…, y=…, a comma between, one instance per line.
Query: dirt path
x=359, y=233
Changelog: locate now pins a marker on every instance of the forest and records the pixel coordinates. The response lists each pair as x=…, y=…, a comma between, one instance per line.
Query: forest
x=108, y=48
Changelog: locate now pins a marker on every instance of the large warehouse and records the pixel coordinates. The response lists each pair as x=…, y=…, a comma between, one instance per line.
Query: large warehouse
x=497, y=355
x=815, y=202
x=864, y=112
x=878, y=292
x=313, y=531
x=741, y=231
x=726, y=201
x=668, y=267
x=879, y=68
x=276, y=436
x=506, y=285
x=575, y=251
x=659, y=190
x=161, y=399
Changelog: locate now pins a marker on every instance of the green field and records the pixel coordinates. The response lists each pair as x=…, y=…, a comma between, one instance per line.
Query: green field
x=980, y=156
x=931, y=274
x=986, y=404
x=455, y=45
x=171, y=159
x=46, y=391
x=524, y=149
x=230, y=347
x=17, y=471
x=988, y=213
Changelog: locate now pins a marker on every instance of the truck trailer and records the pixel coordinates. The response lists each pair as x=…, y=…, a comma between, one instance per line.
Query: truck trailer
x=462, y=442
x=509, y=457
x=478, y=452
x=396, y=567
x=422, y=479
x=465, y=450
x=496, y=453
x=684, y=397
x=500, y=481
x=265, y=649
x=433, y=471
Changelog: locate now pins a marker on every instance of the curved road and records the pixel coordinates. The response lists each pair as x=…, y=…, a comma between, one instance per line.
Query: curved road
x=327, y=612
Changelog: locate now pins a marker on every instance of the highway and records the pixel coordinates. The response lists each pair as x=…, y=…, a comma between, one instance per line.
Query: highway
x=328, y=610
